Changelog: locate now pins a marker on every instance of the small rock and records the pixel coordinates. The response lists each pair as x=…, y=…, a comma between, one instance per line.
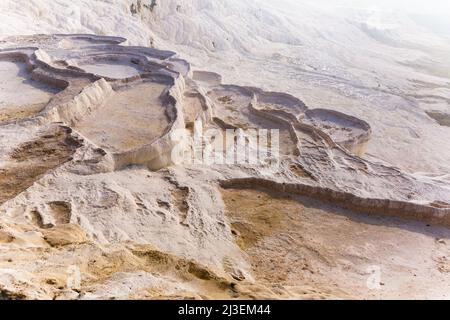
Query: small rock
x=238, y=275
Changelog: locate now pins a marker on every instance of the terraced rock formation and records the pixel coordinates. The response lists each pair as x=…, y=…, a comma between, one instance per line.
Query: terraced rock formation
x=96, y=186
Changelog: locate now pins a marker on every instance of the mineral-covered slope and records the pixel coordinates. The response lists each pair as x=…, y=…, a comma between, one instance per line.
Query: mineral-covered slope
x=364, y=58
x=114, y=201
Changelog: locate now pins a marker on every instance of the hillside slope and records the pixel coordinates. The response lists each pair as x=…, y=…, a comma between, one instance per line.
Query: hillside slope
x=377, y=65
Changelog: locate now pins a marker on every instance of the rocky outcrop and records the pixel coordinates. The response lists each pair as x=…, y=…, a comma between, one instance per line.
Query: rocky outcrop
x=441, y=117
x=429, y=213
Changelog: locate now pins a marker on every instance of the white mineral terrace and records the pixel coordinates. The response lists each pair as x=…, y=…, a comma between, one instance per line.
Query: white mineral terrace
x=90, y=178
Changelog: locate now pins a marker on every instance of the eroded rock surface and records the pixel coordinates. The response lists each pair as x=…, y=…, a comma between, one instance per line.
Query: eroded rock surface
x=99, y=199
x=442, y=118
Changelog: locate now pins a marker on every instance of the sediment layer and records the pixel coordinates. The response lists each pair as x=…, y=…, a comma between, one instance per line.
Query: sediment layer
x=97, y=166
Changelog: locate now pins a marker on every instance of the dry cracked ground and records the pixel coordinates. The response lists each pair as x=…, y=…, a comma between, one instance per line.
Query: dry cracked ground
x=100, y=198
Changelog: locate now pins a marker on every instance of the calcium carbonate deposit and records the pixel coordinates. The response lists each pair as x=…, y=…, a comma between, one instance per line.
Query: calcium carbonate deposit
x=210, y=149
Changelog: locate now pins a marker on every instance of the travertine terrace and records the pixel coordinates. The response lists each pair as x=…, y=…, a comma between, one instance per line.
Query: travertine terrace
x=90, y=182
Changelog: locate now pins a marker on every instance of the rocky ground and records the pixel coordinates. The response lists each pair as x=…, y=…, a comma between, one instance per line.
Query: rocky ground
x=105, y=194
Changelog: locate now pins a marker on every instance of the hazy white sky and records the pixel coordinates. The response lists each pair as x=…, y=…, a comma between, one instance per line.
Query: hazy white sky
x=440, y=7
x=433, y=15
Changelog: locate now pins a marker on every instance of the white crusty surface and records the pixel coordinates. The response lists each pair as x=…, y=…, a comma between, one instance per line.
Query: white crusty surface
x=359, y=206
